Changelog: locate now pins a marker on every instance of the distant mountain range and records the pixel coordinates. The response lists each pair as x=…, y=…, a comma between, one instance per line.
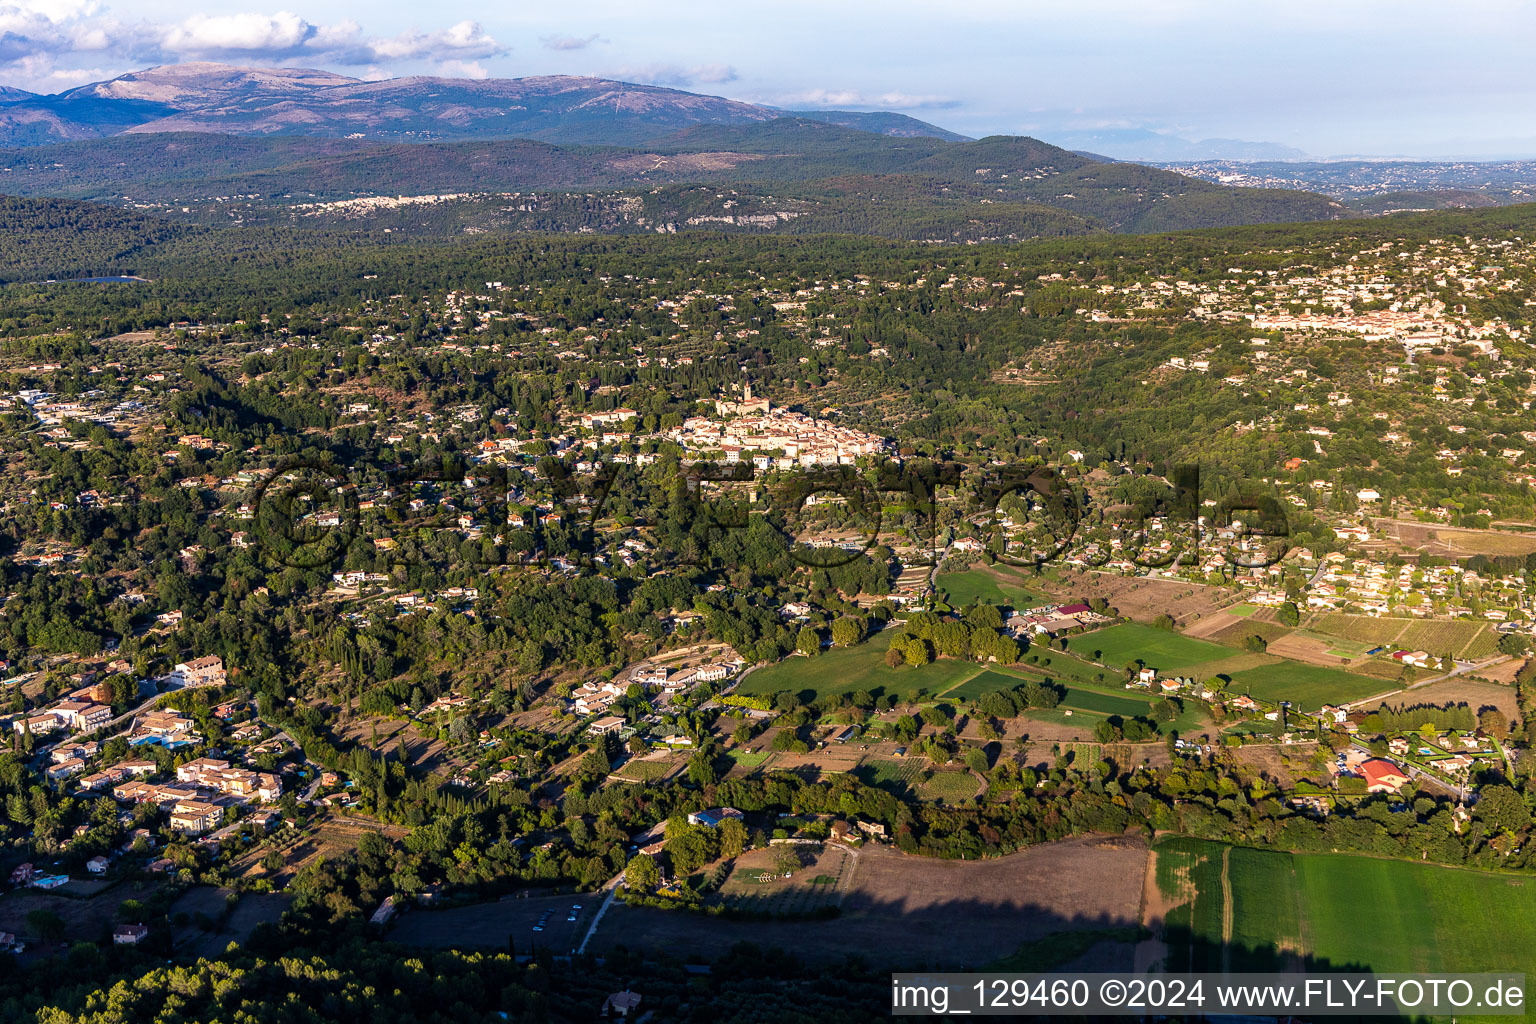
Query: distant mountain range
x=216, y=144
x=1155, y=147
x=206, y=97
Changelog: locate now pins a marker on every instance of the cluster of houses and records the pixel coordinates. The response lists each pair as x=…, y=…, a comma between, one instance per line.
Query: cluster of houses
x=774, y=438
x=594, y=698
x=202, y=790
x=1054, y=620
x=1371, y=587
x=169, y=729
x=87, y=709
x=1443, y=753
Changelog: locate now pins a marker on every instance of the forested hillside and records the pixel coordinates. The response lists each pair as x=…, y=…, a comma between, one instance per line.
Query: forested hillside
x=900, y=187
x=57, y=238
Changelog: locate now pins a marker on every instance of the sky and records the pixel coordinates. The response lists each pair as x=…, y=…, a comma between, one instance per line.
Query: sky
x=1337, y=78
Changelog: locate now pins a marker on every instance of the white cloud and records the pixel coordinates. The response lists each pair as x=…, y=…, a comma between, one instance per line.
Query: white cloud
x=38, y=38
x=675, y=75
x=464, y=41
x=283, y=32
x=854, y=98
x=463, y=69
x=570, y=42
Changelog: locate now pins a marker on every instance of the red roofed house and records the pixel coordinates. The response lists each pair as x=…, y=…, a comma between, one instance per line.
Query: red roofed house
x=1382, y=776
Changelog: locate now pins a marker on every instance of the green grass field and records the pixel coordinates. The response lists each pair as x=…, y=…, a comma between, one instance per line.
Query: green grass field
x=1079, y=699
x=849, y=669
x=949, y=787
x=1309, y=686
x=986, y=681
x=746, y=759
x=1169, y=653
x=1264, y=677
x=1062, y=667
x=1259, y=909
x=987, y=586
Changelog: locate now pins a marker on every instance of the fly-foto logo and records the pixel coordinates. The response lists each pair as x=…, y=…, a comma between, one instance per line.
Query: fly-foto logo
x=309, y=512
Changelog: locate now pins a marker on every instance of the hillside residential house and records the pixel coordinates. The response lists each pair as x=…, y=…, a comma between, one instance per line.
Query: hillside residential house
x=604, y=726
x=129, y=934
x=714, y=817
x=621, y=1004
x=195, y=817
x=1382, y=776
x=205, y=671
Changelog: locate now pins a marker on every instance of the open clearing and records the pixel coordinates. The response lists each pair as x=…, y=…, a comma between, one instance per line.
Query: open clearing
x=898, y=910
x=1451, y=541
x=992, y=585
x=1243, y=909
x=1169, y=653
x=849, y=669
x=1309, y=686
x=1460, y=690
x=916, y=910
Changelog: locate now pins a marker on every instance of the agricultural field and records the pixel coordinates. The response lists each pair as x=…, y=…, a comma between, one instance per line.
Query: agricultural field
x=646, y=769
x=1237, y=632
x=1474, y=693
x=987, y=681
x=1262, y=676
x=902, y=910
x=1240, y=909
x=747, y=758
x=1454, y=542
x=1063, y=668
x=1137, y=597
x=754, y=887
x=850, y=669
x=987, y=586
x=1078, y=698
x=1169, y=653
x=1463, y=638
x=895, y=775
x=1309, y=686
x=948, y=787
